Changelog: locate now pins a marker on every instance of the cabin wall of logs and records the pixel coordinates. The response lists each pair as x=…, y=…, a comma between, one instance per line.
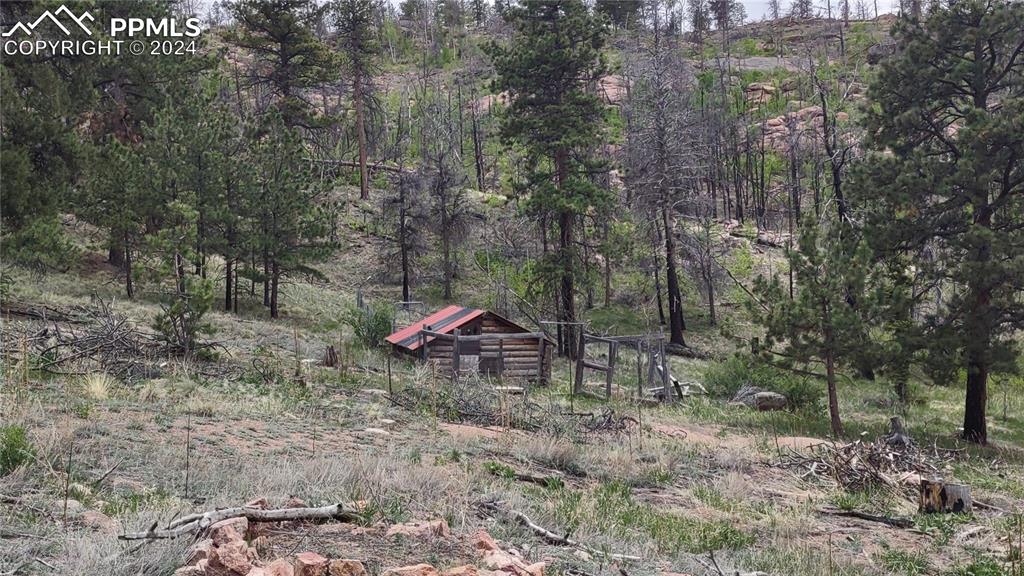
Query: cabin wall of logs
x=489, y=346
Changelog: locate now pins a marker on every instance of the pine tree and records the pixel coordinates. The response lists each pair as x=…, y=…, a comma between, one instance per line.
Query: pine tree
x=293, y=218
x=945, y=185
x=817, y=324
x=41, y=100
x=357, y=40
x=623, y=14
x=113, y=200
x=280, y=35
x=700, y=19
x=479, y=10
x=553, y=56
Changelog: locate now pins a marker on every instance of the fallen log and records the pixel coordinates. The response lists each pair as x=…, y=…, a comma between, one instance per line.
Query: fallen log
x=550, y=536
x=202, y=521
x=896, y=522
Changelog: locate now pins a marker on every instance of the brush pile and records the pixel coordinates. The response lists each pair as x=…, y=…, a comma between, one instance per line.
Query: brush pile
x=861, y=465
x=72, y=340
x=476, y=402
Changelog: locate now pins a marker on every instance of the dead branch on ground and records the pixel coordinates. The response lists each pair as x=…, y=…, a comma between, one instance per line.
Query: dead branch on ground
x=550, y=536
x=202, y=521
x=896, y=522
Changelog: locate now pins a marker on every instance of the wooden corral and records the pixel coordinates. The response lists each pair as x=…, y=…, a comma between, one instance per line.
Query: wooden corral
x=650, y=350
x=465, y=340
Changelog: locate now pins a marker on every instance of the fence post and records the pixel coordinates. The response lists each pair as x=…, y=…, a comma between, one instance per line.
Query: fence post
x=613, y=350
x=579, y=363
x=456, y=354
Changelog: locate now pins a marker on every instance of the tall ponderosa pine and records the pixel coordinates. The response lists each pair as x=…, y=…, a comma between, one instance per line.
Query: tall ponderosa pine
x=946, y=183
x=624, y=14
x=291, y=59
x=553, y=56
x=41, y=100
x=357, y=40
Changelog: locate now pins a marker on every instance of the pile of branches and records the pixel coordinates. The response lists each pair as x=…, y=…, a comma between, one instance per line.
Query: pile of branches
x=470, y=401
x=82, y=334
x=864, y=465
x=476, y=403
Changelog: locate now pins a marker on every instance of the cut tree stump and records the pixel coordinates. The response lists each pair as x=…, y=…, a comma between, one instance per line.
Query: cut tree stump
x=940, y=497
x=898, y=436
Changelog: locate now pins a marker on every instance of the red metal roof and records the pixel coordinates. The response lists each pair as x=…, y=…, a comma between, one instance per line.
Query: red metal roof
x=444, y=321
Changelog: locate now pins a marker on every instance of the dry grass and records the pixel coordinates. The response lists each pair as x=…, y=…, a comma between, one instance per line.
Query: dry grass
x=270, y=433
x=100, y=386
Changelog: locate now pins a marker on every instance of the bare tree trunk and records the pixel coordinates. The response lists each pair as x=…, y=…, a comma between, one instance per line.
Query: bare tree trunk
x=676, y=321
x=833, y=396
x=129, y=282
x=657, y=277
x=478, y=151
x=568, y=289
x=566, y=245
x=830, y=372
x=404, y=248
x=115, y=250
x=275, y=279
x=228, y=284
x=446, y=252
x=266, y=278
x=978, y=361
x=975, y=425
x=607, y=270
x=364, y=180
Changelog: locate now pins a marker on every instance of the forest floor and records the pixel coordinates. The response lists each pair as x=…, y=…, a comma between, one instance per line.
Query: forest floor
x=689, y=488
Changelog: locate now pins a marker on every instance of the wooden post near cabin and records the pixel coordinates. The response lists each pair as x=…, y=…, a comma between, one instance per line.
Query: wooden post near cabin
x=613, y=351
x=652, y=359
x=939, y=497
x=540, y=359
x=639, y=370
x=578, y=385
x=501, y=357
x=456, y=354
x=664, y=369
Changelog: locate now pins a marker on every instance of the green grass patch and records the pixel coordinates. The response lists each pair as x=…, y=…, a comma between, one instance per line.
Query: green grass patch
x=15, y=449
x=904, y=563
x=611, y=508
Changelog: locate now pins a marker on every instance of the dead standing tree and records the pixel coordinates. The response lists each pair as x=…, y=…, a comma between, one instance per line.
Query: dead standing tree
x=660, y=157
x=405, y=217
x=446, y=180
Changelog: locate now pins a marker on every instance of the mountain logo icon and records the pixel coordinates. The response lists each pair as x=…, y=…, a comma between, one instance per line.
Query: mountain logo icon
x=52, y=17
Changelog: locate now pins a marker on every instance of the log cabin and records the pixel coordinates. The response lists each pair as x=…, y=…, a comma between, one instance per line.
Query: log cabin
x=462, y=340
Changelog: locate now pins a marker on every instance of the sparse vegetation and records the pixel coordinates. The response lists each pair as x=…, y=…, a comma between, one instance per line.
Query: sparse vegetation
x=203, y=255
